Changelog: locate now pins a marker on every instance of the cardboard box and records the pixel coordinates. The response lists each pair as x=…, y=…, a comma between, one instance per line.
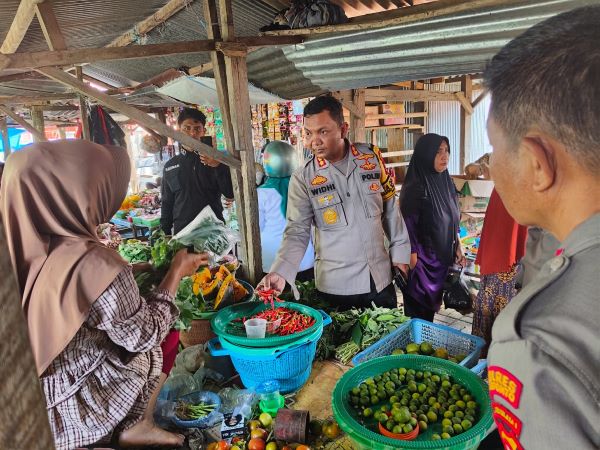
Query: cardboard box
x=371, y=110
x=474, y=194
x=393, y=109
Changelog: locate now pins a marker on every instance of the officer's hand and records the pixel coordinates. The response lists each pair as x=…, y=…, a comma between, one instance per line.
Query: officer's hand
x=413, y=260
x=208, y=161
x=272, y=281
x=403, y=268
x=460, y=257
x=186, y=264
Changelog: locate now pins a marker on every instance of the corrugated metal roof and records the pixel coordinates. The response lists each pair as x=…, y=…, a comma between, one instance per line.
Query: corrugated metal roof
x=450, y=45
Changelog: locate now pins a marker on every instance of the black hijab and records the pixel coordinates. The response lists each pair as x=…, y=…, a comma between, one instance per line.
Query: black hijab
x=433, y=197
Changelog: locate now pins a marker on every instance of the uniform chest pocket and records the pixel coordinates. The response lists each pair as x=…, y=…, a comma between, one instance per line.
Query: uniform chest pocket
x=172, y=179
x=372, y=198
x=329, y=211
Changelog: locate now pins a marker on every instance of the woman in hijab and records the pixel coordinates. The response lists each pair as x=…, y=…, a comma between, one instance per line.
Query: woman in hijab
x=279, y=162
x=95, y=340
x=429, y=205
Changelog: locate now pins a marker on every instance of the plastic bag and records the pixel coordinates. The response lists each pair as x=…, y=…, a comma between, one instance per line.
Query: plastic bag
x=191, y=359
x=242, y=399
x=208, y=234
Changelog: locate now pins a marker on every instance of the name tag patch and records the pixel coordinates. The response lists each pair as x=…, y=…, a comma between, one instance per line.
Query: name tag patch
x=323, y=189
x=168, y=169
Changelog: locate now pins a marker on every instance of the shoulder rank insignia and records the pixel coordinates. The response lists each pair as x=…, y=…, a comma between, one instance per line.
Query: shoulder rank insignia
x=321, y=162
x=318, y=180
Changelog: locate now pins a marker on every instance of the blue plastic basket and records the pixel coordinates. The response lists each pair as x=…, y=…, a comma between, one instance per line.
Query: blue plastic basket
x=197, y=397
x=417, y=330
x=290, y=364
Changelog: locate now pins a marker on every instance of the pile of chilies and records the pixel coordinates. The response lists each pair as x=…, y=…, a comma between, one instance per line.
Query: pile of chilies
x=291, y=321
x=269, y=296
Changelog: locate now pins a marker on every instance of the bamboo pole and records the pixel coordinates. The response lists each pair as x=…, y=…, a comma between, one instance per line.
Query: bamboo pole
x=83, y=111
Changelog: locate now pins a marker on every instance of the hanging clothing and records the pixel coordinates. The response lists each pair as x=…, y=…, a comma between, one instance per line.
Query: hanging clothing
x=429, y=205
x=272, y=210
x=502, y=242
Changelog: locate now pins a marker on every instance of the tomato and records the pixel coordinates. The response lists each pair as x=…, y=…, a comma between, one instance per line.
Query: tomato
x=222, y=445
x=258, y=433
x=256, y=444
x=331, y=430
x=303, y=447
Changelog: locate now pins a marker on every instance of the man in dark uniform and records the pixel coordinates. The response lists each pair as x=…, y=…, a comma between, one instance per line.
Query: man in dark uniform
x=544, y=126
x=191, y=182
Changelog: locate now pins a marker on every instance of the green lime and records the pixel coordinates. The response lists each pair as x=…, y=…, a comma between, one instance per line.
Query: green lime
x=398, y=351
x=469, y=418
x=446, y=384
x=402, y=371
x=459, y=414
x=436, y=437
x=390, y=425
x=412, y=348
x=460, y=404
x=422, y=426
x=423, y=417
x=413, y=422
x=471, y=405
x=367, y=412
x=466, y=424
x=432, y=416
x=421, y=387
x=446, y=436
x=457, y=428
x=446, y=423
x=448, y=429
x=426, y=348
x=407, y=428
x=448, y=415
x=397, y=429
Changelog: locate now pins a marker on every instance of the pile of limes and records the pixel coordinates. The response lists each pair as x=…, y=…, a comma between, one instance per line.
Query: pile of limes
x=401, y=398
x=427, y=349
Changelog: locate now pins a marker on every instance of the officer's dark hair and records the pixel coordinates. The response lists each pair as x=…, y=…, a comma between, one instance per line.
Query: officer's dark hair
x=325, y=103
x=548, y=78
x=191, y=113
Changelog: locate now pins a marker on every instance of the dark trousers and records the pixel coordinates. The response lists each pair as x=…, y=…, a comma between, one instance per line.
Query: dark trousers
x=415, y=310
x=386, y=298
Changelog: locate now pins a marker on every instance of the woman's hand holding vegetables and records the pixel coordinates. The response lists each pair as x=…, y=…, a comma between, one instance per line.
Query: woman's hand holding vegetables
x=184, y=264
x=272, y=281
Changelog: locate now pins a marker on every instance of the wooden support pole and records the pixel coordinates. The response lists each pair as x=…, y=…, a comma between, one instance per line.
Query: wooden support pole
x=357, y=125
x=139, y=116
x=37, y=119
x=24, y=99
x=25, y=422
x=19, y=26
x=218, y=63
x=466, y=86
x=479, y=99
x=49, y=25
x=18, y=119
x=237, y=85
x=83, y=111
x=5, y=138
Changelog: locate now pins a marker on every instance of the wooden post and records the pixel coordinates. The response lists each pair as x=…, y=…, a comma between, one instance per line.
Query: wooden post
x=24, y=418
x=18, y=119
x=85, y=124
x=237, y=85
x=19, y=26
x=37, y=118
x=358, y=122
x=466, y=86
x=218, y=63
x=5, y=138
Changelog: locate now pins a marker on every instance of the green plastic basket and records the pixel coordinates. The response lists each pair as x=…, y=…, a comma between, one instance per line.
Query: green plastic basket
x=222, y=324
x=365, y=438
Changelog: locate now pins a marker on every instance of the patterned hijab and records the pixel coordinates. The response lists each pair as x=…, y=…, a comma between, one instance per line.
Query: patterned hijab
x=53, y=196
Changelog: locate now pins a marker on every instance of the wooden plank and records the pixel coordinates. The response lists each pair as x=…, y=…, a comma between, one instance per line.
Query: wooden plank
x=358, y=120
x=25, y=421
x=59, y=107
x=48, y=23
x=397, y=164
x=83, y=110
x=149, y=23
x=396, y=116
x=19, y=26
x=398, y=153
x=466, y=86
x=5, y=138
x=409, y=95
x=37, y=119
x=395, y=17
x=345, y=98
x=479, y=99
x=18, y=119
x=465, y=103
x=408, y=126
x=24, y=99
x=139, y=116
x=239, y=101
x=218, y=62
x=202, y=68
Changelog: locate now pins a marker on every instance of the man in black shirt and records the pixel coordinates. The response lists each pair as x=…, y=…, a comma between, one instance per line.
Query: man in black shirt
x=190, y=182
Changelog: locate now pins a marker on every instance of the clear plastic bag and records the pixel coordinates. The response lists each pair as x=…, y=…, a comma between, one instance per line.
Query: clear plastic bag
x=191, y=359
x=243, y=400
x=208, y=234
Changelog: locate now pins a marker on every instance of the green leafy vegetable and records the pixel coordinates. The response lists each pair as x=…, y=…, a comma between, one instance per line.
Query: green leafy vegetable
x=135, y=251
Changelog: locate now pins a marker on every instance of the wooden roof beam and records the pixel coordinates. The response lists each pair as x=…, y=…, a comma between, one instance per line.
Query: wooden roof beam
x=18, y=119
x=410, y=95
x=400, y=16
x=149, y=23
x=87, y=55
x=49, y=24
x=19, y=26
x=139, y=116
x=24, y=99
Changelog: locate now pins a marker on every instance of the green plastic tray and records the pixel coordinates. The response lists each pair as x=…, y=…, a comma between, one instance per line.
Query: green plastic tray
x=145, y=222
x=366, y=439
x=222, y=324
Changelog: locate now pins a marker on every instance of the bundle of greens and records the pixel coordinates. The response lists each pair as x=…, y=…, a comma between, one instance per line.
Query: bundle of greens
x=356, y=329
x=163, y=250
x=190, y=305
x=135, y=251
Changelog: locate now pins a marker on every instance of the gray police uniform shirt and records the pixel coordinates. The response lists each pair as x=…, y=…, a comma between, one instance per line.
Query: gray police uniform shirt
x=544, y=361
x=540, y=247
x=351, y=215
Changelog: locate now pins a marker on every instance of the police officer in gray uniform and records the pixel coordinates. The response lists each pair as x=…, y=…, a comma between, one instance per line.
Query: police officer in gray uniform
x=544, y=126
x=345, y=191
